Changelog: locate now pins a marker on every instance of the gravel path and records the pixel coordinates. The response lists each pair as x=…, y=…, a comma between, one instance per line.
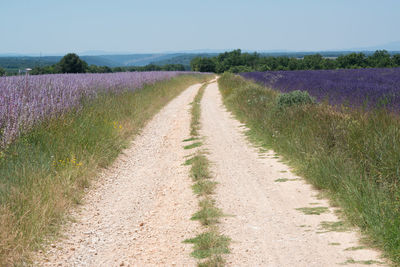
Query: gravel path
x=266, y=228
x=139, y=211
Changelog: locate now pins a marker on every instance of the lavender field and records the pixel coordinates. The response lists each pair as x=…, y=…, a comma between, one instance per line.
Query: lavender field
x=368, y=88
x=27, y=100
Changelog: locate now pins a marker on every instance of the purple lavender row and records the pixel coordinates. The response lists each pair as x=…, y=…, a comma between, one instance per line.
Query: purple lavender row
x=354, y=88
x=27, y=100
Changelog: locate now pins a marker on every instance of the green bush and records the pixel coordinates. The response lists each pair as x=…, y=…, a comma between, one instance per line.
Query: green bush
x=294, y=98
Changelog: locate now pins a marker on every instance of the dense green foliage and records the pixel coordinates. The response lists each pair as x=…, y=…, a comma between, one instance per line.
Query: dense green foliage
x=71, y=63
x=294, y=98
x=236, y=61
x=44, y=172
x=353, y=155
x=56, y=68
x=13, y=64
x=2, y=72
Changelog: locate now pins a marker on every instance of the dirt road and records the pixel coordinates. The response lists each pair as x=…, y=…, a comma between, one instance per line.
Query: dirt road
x=263, y=196
x=139, y=211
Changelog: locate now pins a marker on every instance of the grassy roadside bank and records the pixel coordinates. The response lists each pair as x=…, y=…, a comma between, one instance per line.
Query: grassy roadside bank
x=45, y=171
x=210, y=245
x=353, y=156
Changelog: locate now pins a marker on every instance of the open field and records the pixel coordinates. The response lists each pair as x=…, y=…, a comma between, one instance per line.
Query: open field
x=359, y=88
x=254, y=206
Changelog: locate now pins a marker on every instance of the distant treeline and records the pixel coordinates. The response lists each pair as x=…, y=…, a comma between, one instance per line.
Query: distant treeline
x=236, y=61
x=71, y=63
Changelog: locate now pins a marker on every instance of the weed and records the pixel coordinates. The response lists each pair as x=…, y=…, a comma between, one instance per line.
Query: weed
x=190, y=139
x=195, y=121
x=208, y=214
x=339, y=226
x=209, y=244
x=204, y=187
x=194, y=145
x=281, y=180
x=200, y=167
x=313, y=211
x=355, y=248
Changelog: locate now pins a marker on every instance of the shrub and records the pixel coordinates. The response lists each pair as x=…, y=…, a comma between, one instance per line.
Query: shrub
x=294, y=98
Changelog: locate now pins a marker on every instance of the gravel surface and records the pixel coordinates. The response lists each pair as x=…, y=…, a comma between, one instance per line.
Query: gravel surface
x=266, y=228
x=138, y=212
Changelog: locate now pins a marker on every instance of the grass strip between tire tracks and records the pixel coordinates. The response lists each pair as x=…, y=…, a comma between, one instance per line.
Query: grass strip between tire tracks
x=210, y=245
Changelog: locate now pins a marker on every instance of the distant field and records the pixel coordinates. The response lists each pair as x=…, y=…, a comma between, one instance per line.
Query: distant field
x=25, y=102
x=354, y=88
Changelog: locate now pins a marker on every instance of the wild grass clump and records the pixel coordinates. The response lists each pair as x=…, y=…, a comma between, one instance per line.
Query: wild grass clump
x=44, y=172
x=200, y=169
x=195, y=121
x=209, y=244
x=352, y=154
x=208, y=213
x=204, y=187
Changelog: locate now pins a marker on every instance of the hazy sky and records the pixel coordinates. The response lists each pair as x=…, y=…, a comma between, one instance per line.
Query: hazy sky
x=59, y=26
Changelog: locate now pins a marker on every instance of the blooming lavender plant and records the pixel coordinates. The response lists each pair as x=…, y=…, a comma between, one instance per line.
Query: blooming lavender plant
x=27, y=100
x=368, y=88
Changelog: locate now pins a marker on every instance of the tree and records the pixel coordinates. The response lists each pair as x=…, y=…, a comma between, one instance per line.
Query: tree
x=380, y=59
x=71, y=63
x=2, y=71
x=396, y=60
x=313, y=62
x=351, y=61
x=202, y=64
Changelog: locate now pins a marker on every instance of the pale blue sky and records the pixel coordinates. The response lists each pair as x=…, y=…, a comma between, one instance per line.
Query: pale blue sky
x=59, y=26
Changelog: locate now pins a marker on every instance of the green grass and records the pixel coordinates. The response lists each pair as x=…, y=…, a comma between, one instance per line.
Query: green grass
x=339, y=226
x=194, y=145
x=209, y=244
x=353, y=155
x=208, y=213
x=196, y=112
x=355, y=248
x=313, y=211
x=44, y=173
x=190, y=139
x=204, y=187
x=281, y=180
x=200, y=167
